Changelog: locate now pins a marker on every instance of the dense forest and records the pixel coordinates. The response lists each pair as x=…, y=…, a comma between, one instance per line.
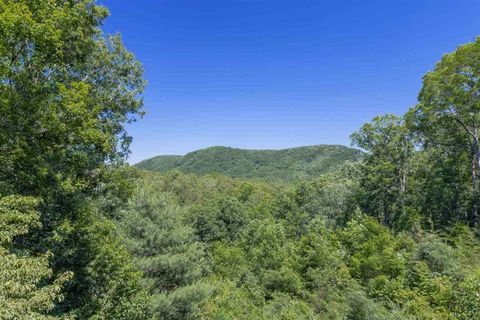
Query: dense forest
x=391, y=234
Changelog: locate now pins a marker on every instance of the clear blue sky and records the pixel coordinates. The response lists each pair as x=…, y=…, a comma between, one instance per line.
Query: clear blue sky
x=275, y=74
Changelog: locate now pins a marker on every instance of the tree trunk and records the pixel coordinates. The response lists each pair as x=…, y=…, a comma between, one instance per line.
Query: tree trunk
x=475, y=180
x=403, y=190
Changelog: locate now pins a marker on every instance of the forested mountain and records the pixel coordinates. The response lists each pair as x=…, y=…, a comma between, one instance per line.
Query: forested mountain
x=292, y=164
x=83, y=235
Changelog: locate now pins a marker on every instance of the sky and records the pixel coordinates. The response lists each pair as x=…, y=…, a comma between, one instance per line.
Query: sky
x=271, y=74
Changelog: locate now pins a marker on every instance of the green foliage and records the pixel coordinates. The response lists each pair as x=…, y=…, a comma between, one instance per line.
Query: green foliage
x=66, y=92
x=166, y=250
x=467, y=300
x=280, y=252
x=386, y=171
x=332, y=196
x=219, y=220
x=441, y=187
x=314, y=234
x=372, y=250
x=448, y=113
x=289, y=165
x=28, y=288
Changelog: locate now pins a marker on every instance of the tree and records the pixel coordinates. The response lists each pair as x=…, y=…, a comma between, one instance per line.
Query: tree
x=28, y=289
x=386, y=169
x=448, y=112
x=441, y=186
x=332, y=196
x=220, y=219
x=66, y=93
x=372, y=250
x=166, y=250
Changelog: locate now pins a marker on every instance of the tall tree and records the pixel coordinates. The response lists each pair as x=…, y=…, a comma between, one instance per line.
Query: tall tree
x=66, y=92
x=166, y=250
x=448, y=112
x=386, y=169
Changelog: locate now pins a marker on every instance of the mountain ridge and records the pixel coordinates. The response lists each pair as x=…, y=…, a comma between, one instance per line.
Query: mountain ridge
x=289, y=164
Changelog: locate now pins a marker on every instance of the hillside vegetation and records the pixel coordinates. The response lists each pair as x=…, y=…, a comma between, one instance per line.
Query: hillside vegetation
x=213, y=247
x=292, y=164
x=85, y=236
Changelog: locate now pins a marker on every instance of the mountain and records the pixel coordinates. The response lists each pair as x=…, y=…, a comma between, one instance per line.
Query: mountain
x=291, y=164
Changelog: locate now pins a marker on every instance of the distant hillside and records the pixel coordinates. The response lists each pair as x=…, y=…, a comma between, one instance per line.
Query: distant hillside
x=288, y=164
